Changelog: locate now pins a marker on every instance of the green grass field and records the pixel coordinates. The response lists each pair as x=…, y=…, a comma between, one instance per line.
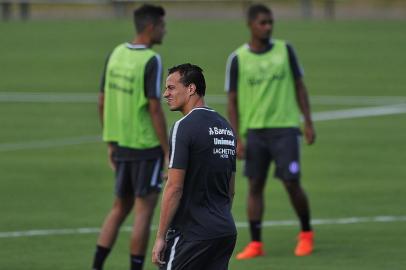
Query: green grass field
x=356, y=169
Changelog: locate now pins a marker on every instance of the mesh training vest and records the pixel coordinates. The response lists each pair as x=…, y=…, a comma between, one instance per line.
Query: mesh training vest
x=266, y=89
x=126, y=117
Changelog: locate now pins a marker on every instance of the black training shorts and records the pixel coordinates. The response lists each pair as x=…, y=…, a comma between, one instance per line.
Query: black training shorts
x=281, y=145
x=212, y=254
x=138, y=177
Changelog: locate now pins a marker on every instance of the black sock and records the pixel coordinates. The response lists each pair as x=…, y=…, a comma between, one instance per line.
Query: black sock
x=255, y=230
x=305, y=222
x=99, y=257
x=137, y=261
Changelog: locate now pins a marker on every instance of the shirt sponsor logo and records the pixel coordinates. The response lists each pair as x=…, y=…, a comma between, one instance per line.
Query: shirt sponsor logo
x=224, y=152
x=121, y=82
x=220, y=131
x=117, y=87
x=222, y=141
x=263, y=78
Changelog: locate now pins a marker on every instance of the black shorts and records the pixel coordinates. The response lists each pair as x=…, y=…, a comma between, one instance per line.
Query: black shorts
x=213, y=254
x=266, y=145
x=138, y=177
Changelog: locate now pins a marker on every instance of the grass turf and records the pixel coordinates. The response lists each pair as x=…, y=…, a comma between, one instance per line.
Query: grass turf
x=355, y=169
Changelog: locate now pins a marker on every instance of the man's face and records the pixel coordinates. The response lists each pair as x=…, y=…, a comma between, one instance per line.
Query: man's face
x=261, y=26
x=176, y=94
x=158, y=31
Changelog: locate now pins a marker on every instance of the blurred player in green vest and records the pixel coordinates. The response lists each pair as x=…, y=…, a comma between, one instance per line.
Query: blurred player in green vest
x=266, y=96
x=134, y=128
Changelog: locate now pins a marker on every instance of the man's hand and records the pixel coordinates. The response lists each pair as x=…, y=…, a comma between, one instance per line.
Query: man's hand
x=110, y=153
x=310, y=134
x=240, y=149
x=158, y=252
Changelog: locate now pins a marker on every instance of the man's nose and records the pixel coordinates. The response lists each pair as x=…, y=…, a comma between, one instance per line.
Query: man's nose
x=268, y=26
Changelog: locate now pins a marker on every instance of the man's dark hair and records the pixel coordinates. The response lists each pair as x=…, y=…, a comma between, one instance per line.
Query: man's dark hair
x=147, y=14
x=191, y=74
x=256, y=9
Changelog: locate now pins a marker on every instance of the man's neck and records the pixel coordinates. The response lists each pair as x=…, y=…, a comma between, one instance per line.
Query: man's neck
x=192, y=104
x=142, y=40
x=259, y=45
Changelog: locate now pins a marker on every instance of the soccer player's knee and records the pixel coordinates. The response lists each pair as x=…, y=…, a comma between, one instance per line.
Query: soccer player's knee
x=292, y=185
x=122, y=208
x=256, y=187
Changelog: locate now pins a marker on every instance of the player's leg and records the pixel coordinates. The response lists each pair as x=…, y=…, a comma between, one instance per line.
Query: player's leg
x=144, y=210
x=212, y=254
x=121, y=208
x=300, y=203
x=113, y=221
x=255, y=211
x=256, y=206
x=288, y=170
x=146, y=177
x=256, y=169
x=221, y=253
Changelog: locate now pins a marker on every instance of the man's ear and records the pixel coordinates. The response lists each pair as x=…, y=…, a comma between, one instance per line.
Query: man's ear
x=149, y=28
x=192, y=89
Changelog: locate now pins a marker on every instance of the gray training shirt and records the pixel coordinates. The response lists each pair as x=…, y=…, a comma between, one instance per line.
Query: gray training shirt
x=202, y=143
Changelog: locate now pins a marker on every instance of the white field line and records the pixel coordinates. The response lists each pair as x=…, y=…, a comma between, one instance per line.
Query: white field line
x=360, y=112
x=268, y=223
x=357, y=100
x=43, y=97
x=41, y=144
x=49, y=97
x=320, y=116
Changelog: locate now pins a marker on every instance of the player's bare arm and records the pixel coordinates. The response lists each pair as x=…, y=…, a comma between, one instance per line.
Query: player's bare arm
x=303, y=101
x=233, y=117
x=169, y=205
x=159, y=123
x=232, y=189
x=110, y=148
x=100, y=107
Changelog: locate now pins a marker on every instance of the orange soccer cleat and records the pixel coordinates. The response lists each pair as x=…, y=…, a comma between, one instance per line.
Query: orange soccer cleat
x=252, y=250
x=305, y=244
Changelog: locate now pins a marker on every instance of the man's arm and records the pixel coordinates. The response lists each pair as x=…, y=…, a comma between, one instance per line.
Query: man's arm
x=110, y=147
x=301, y=95
x=159, y=123
x=232, y=189
x=234, y=120
x=152, y=91
x=233, y=111
x=100, y=106
x=101, y=93
x=303, y=101
x=170, y=202
x=231, y=86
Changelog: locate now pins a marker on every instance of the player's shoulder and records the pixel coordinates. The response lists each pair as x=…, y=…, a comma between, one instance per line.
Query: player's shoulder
x=199, y=113
x=139, y=48
x=116, y=49
x=184, y=126
x=241, y=49
x=193, y=119
x=282, y=42
x=278, y=40
x=196, y=112
x=120, y=46
x=205, y=117
x=237, y=51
